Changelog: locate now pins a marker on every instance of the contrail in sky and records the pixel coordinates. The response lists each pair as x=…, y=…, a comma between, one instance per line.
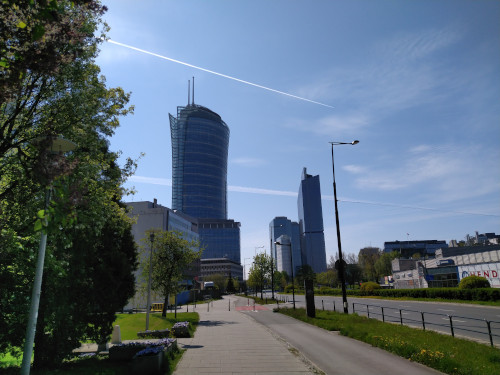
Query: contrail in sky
x=216, y=73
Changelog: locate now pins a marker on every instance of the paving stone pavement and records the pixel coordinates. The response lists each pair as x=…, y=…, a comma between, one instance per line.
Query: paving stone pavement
x=229, y=342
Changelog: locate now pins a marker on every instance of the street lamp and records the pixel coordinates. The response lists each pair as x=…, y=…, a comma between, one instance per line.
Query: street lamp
x=272, y=259
x=57, y=145
x=341, y=267
x=258, y=247
x=291, y=264
x=151, y=238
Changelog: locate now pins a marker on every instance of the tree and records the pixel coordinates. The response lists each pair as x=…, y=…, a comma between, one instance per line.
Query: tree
x=220, y=281
x=172, y=254
x=50, y=86
x=41, y=36
x=366, y=261
x=383, y=265
x=305, y=272
x=260, y=272
x=328, y=278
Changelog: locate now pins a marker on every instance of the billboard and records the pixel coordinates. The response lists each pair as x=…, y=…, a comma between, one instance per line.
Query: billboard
x=489, y=270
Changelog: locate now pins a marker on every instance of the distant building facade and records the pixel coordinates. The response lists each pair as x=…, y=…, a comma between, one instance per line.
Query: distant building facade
x=200, y=142
x=220, y=239
x=312, y=238
x=408, y=248
x=278, y=227
x=152, y=216
x=284, y=259
x=223, y=266
x=448, y=267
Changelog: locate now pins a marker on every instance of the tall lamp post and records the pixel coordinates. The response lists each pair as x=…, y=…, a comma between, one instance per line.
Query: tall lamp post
x=57, y=145
x=341, y=267
x=291, y=264
x=272, y=259
x=151, y=238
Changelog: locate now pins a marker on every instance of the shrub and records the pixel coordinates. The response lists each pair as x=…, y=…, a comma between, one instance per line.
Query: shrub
x=473, y=282
x=369, y=286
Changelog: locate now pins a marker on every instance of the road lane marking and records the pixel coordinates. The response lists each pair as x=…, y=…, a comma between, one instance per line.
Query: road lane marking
x=455, y=320
x=445, y=310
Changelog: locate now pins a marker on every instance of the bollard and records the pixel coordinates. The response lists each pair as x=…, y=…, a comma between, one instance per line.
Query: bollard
x=334, y=306
x=401, y=316
x=187, y=307
x=383, y=317
x=229, y=305
x=323, y=305
x=208, y=306
x=254, y=305
x=451, y=325
x=248, y=301
x=116, y=337
x=423, y=321
x=278, y=303
x=367, y=310
x=353, y=311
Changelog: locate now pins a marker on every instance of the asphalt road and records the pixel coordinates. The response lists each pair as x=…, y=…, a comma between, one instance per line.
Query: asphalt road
x=468, y=321
x=333, y=353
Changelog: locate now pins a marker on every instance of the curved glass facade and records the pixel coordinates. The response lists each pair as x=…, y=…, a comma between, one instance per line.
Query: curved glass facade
x=200, y=141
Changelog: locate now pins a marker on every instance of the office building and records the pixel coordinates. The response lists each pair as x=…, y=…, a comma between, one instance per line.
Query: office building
x=312, y=238
x=200, y=141
x=220, y=239
x=153, y=216
x=408, y=248
x=279, y=226
x=222, y=266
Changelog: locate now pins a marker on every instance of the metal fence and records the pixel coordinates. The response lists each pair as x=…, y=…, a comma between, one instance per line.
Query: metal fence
x=453, y=323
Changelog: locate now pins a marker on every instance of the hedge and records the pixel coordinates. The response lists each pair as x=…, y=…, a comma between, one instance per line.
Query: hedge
x=479, y=294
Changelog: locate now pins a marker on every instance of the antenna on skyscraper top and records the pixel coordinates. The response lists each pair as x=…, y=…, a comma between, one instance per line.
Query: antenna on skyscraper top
x=189, y=92
x=193, y=90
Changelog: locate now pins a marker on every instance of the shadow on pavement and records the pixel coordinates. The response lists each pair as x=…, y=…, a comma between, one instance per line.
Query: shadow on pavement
x=213, y=323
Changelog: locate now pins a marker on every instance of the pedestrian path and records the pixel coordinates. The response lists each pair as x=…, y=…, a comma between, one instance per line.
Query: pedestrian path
x=229, y=342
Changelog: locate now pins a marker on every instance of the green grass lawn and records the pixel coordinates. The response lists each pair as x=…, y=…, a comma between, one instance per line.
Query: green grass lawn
x=442, y=352
x=129, y=324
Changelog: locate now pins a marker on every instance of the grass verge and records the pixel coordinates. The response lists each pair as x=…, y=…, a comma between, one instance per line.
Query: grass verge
x=129, y=324
x=441, y=352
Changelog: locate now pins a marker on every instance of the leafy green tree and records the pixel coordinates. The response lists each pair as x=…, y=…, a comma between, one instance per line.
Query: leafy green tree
x=172, y=254
x=304, y=272
x=328, y=278
x=41, y=36
x=260, y=272
x=220, y=281
x=90, y=255
x=367, y=258
x=383, y=265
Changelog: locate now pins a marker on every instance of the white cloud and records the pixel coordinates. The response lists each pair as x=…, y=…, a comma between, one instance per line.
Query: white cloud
x=248, y=162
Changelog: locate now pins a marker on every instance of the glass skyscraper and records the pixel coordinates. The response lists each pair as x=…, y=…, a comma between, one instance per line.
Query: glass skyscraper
x=312, y=237
x=200, y=142
x=279, y=226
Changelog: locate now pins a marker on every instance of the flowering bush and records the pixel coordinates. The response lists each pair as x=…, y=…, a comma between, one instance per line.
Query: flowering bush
x=181, y=329
x=156, y=334
x=150, y=350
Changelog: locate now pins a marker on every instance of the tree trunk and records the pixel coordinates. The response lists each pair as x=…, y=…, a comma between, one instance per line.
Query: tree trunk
x=165, y=305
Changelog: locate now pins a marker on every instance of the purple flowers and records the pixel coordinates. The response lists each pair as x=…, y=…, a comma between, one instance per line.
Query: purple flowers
x=181, y=325
x=151, y=350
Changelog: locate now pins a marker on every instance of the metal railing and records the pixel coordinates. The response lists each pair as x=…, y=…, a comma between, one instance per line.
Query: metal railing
x=453, y=323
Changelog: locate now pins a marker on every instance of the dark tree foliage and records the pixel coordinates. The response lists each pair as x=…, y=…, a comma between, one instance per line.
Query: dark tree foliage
x=39, y=36
x=49, y=85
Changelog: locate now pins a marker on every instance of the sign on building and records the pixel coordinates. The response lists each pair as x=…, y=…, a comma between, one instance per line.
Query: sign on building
x=490, y=271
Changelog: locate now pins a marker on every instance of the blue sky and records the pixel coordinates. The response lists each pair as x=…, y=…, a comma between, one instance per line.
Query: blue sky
x=417, y=82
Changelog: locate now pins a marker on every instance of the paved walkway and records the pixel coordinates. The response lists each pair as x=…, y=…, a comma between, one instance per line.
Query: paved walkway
x=229, y=342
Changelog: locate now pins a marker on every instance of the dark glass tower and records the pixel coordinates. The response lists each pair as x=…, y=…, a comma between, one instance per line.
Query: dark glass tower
x=312, y=238
x=200, y=141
